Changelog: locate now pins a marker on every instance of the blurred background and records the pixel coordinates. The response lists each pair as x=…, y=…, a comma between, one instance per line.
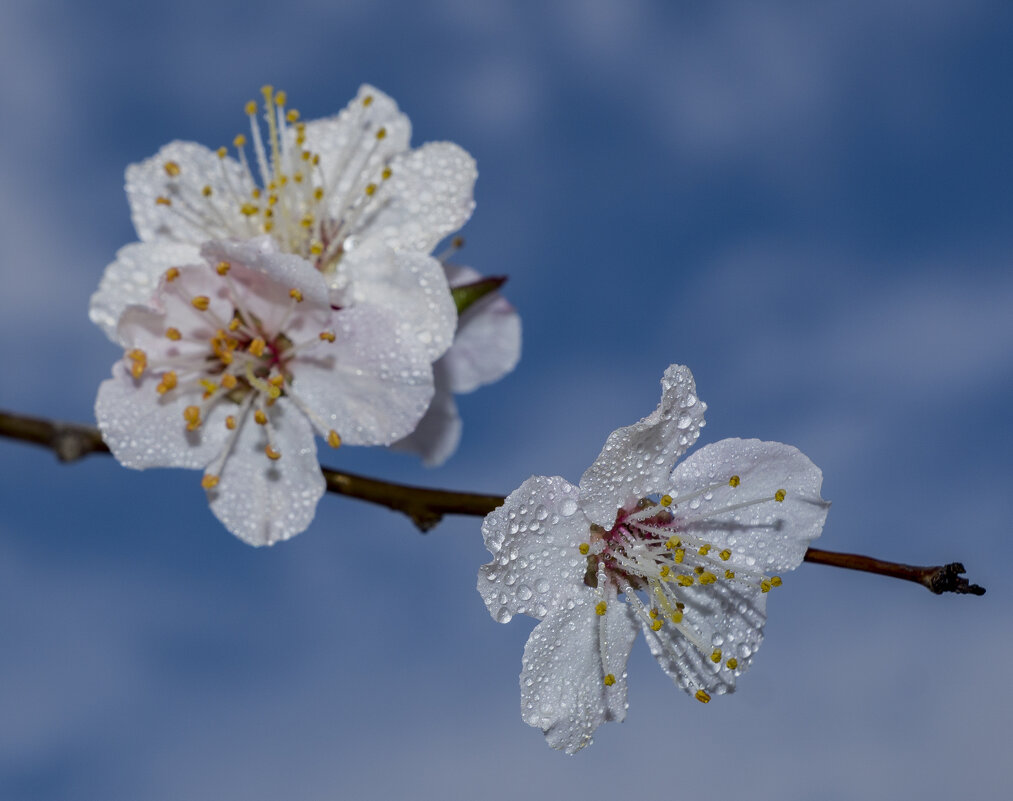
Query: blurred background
x=807, y=203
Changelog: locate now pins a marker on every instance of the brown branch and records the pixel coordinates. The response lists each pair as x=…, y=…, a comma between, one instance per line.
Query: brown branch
x=426, y=507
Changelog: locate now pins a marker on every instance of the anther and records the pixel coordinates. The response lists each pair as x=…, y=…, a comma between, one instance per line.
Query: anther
x=256, y=347
x=702, y=696
x=685, y=581
x=729, y=574
x=732, y=663
x=206, y=191
x=370, y=189
x=167, y=383
x=295, y=294
x=381, y=133
x=708, y=578
x=173, y=334
x=223, y=267
x=584, y=548
x=775, y=581
x=665, y=571
x=679, y=555
x=240, y=140
x=387, y=172
x=162, y=200
x=248, y=209
x=201, y=302
x=222, y=152
x=672, y=543
x=192, y=416
x=234, y=324
x=229, y=381
x=779, y=495
x=230, y=422
x=609, y=680
x=333, y=439
x=292, y=116
x=281, y=97
x=765, y=586
x=260, y=418
x=171, y=274
x=600, y=608
x=209, y=481
x=140, y=362
x=656, y=625
x=327, y=336
x=666, y=500
x=716, y=656
x=704, y=549
x=367, y=101
x=172, y=169
x=725, y=555
x=676, y=616
x=251, y=107
x=734, y=481
x=272, y=454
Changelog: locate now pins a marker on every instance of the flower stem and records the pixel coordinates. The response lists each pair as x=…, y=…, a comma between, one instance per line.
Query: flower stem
x=426, y=507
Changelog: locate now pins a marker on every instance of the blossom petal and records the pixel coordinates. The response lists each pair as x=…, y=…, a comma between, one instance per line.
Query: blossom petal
x=133, y=278
x=438, y=433
x=487, y=344
x=368, y=385
x=428, y=196
x=264, y=277
x=191, y=215
x=637, y=459
x=263, y=501
x=562, y=677
x=351, y=155
x=615, y=643
x=412, y=286
x=765, y=537
x=724, y=616
x=145, y=429
x=534, y=537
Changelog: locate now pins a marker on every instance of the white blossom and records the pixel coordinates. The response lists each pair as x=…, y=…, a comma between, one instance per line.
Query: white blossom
x=346, y=193
x=235, y=364
x=487, y=346
x=685, y=556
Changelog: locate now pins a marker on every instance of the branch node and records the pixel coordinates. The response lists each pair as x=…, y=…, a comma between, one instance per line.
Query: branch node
x=948, y=578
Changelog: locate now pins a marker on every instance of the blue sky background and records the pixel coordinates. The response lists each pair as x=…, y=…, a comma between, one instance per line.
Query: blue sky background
x=809, y=204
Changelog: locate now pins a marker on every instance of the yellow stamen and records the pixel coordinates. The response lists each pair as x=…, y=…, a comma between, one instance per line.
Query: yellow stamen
x=167, y=383
x=327, y=336
x=201, y=302
x=702, y=696
x=296, y=295
x=716, y=656
x=609, y=680
x=367, y=101
x=333, y=439
x=676, y=616
x=765, y=586
x=775, y=581
x=257, y=347
x=221, y=152
x=600, y=608
x=732, y=663
x=162, y=200
x=206, y=191
x=734, y=481
x=729, y=574
x=172, y=169
x=666, y=500
x=704, y=549
x=272, y=454
x=240, y=140
x=172, y=274
x=230, y=422
x=223, y=267
x=725, y=555
x=584, y=548
x=229, y=381
x=387, y=172
x=209, y=481
x=370, y=189
x=192, y=416
x=251, y=107
x=260, y=418
x=679, y=555
x=685, y=581
x=173, y=334
x=779, y=495
x=656, y=625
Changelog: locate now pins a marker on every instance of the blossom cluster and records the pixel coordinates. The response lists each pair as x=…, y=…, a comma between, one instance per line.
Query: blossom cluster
x=289, y=292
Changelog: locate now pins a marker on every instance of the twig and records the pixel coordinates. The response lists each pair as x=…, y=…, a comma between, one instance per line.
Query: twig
x=426, y=507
